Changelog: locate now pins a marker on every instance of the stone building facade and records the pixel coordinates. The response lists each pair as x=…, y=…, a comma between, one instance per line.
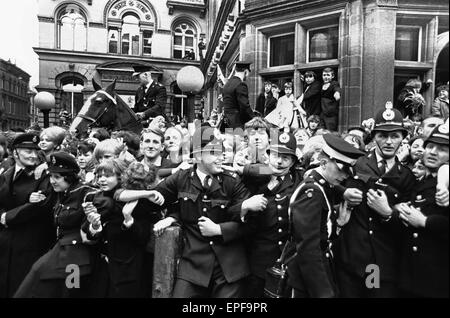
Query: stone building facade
x=14, y=98
x=103, y=39
x=374, y=46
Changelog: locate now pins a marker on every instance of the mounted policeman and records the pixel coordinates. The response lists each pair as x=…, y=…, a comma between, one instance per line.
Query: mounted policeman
x=151, y=96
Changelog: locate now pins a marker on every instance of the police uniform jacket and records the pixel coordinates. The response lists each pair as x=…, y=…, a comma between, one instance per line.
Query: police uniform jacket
x=424, y=257
x=151, y=101
x=235, y=102
x=221, y=203
x=29, y=231
x=310, y=270
x=268, y=230
x=368, y=238
x=69, y=218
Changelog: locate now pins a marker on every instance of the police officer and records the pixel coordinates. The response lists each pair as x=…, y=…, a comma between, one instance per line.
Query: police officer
x=48, y=276
x=268, y=230
x=151, y=96
x=26, y=230
x=311, y=209
x=369, y=241
x=213, y=261
x=235, y=97
x=425, y=261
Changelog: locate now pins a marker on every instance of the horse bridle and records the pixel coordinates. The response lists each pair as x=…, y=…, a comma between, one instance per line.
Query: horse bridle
x=94, y=121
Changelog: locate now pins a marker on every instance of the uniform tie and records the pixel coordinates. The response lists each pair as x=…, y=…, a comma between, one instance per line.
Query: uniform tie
x=382, y=164
x=274, y=183
x=207, y=183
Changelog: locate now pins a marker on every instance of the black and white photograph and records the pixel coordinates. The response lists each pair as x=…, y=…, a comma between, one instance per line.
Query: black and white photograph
x=230, y=155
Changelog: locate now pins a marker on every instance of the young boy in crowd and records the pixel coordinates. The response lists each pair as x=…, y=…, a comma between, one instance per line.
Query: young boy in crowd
x=331, y=95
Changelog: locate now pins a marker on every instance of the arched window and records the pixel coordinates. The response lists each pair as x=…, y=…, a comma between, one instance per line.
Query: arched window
x=129, y=37
x=184, y=42
x=72, y=29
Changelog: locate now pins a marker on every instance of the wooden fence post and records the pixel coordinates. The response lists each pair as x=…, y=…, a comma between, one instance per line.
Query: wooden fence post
x=167, y=252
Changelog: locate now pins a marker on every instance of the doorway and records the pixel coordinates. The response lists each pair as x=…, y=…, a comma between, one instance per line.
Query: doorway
x=442, y=68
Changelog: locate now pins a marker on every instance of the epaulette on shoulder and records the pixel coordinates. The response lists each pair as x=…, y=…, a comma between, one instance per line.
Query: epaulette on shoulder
x=231, y=174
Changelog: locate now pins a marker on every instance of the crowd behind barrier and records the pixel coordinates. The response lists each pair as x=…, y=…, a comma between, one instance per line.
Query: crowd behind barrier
x=278, y=195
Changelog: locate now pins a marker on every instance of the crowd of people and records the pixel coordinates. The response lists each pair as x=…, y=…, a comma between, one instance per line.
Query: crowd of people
x=376, y=195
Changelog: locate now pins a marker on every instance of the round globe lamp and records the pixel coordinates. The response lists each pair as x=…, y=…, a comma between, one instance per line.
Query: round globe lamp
x=45, y=101
x=190, y=80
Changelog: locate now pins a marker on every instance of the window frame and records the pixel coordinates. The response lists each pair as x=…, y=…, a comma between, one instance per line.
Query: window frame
x=308, y=38
x=419, y=41
x=151, y=41
x=58, y=21
x=269, y=47
x=195, y=38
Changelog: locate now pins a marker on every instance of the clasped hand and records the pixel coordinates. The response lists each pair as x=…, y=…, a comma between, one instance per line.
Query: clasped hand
x=37, y=197
x=208, y=228
x=377, y=200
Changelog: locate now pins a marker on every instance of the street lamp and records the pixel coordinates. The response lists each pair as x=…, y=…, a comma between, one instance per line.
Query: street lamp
x=190, y=80
x=45, y=101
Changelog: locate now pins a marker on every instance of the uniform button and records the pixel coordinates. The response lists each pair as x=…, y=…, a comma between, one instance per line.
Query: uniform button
x=74, y=242
x=222, y=206
x=370, y=232
x=327, y=255
x=370, y=219
x=356, y=177
x=211, y=242
x=106, y=242
x=380, y=180
x=414, y=248
x=205, y=197
x=396, y=195
x=280, y=218
x=278, y=196
x=204, y=209
x=279, y=207
x=280, y=243
x=185, y=198
x=415, y=235
x=280, y=230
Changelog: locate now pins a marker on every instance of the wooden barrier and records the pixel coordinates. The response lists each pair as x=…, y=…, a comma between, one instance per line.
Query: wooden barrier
x=167, y=253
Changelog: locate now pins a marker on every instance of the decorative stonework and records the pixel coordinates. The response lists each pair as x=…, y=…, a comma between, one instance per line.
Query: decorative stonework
x=46, y=19
x=96, y=25
x=387, y=3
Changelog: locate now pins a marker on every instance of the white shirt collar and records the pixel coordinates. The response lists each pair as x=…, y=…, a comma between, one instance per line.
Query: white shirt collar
x=17, y=170
x=389, y=162
x=201, y=175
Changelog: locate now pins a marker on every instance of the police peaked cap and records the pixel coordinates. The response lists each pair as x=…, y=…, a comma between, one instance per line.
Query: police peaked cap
x=439, y=135
x=26, y=140
x=138, y=69
x=388, y=120
x=340, y=150
x=243, y=65
x=63, y=162
x=286, y=144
